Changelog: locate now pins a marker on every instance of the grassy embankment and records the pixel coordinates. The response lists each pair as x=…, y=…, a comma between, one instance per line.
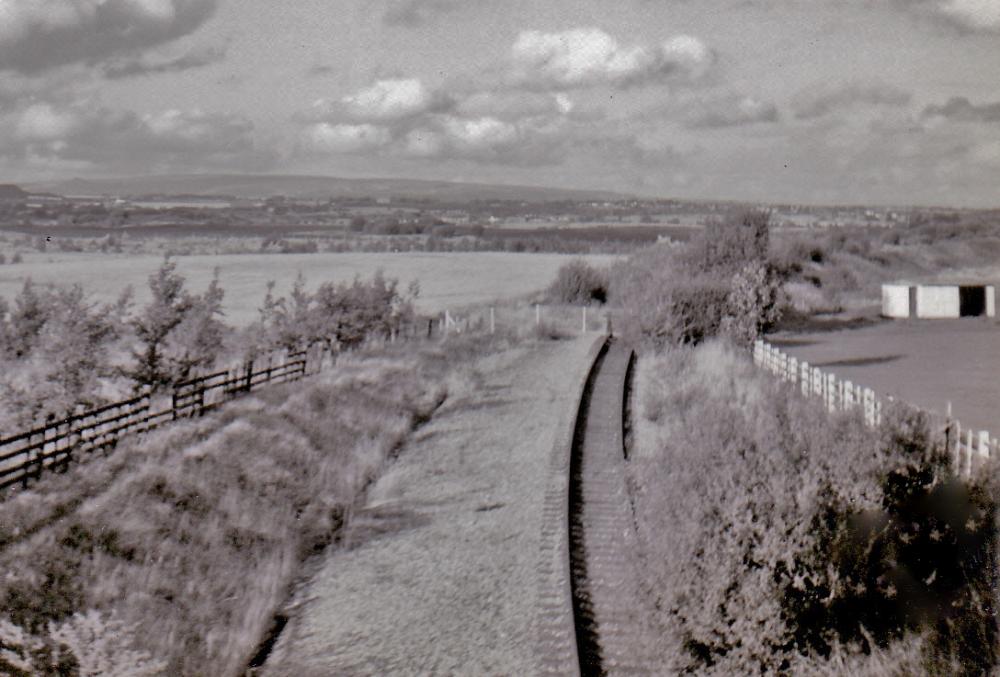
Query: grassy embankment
x=778, y=538
x=843, y=269
x=172, y=554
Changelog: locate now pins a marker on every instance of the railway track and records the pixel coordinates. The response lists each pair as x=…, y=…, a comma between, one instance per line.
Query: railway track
x=608, y=613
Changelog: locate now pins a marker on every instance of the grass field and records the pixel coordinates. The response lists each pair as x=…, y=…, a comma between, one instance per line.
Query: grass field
x=924, y=362
x=447, y=280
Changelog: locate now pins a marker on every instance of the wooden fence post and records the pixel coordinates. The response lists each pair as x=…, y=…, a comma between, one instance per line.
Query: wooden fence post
x=538, y=315
x=493, y=320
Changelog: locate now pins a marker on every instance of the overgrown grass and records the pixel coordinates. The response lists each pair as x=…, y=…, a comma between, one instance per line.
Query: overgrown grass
x=778, y=538
x=177, y=550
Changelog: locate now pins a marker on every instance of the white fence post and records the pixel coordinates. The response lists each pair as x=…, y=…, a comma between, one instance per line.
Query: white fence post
x=968, y=453
x=984, y=444
x=584, y=319
x=806, y=372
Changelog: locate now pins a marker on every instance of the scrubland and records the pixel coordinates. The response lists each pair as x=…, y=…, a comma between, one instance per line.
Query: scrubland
x=779, y=538
x=843, y=269
x=173, y=554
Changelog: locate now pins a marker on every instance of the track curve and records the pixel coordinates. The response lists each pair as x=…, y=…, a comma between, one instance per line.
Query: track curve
x=608, y=606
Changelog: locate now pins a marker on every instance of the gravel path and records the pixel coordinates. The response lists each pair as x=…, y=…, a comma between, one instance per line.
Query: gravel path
x=440, y=573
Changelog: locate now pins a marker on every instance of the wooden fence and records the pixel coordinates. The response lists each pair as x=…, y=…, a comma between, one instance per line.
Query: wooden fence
x=968, y=447
x=52, y=446
x=24, y=456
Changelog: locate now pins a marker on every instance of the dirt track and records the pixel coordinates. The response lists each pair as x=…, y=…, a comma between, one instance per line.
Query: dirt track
x=443, y=574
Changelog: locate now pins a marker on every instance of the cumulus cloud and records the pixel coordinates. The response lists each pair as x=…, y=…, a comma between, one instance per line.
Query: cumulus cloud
x=584, y=57
x=346, y=138
x=406, y=118
x=966, y=15
x=384, y=100
x=816, y=105
x=961, y=109
x=119, y=140
x=36, y=35
x=733, y=112
x=138, y=66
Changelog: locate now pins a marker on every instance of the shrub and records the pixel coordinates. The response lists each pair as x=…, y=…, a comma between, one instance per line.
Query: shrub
x=341, y=315
x=579, y=282
x=777, y=535
x=221, y=512
x=177, y=331
x=672, y=297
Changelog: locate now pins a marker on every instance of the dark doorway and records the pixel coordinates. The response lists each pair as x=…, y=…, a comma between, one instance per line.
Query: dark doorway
x=913, y=301
x=971, y=301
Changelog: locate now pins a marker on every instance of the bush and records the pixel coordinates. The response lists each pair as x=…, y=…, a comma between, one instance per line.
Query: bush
x=776, y=534
x=178, y=332
x=221, y=512
x=339, y=315
x=720, y=283
x=579, y=282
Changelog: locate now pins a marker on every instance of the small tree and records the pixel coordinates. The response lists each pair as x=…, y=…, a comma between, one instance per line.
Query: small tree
x=579, y=282
x=177, y=331
x=753, y=304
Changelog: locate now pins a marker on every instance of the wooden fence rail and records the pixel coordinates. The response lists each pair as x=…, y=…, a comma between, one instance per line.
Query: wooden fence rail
x=967, y=447
x=24, y=456
x=52, y=446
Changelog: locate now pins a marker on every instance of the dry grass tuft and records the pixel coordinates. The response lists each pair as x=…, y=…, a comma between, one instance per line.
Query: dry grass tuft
x=778, y=538
x=193, y=536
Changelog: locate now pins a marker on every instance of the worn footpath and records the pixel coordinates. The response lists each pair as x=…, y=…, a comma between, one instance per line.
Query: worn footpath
x=439, y=571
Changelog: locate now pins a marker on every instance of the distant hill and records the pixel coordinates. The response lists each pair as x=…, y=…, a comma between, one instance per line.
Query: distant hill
x=8, y=191
x=312, y=187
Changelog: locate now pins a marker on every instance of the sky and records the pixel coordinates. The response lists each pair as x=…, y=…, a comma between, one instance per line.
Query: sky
x=802, y=101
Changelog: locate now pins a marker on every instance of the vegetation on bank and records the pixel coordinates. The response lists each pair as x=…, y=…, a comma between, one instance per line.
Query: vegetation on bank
x=779, y=538
x=722, y=282
x=172, y=555
x=60, y=351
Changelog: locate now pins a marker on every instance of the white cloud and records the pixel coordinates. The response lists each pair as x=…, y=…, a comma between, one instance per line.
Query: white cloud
x=823, y=102
x=584, y=57
x=389, y=99
x=974, y=14
x=90, y=134
x=346, y=138
x=734, y=111
x=42, y=122
x=36, y=35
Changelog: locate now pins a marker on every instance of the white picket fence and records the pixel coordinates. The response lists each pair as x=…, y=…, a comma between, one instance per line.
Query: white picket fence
x=965, y=445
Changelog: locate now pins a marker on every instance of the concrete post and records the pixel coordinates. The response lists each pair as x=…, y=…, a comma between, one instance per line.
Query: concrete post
x=984, y=444
x=584, y=330
x=806, y=385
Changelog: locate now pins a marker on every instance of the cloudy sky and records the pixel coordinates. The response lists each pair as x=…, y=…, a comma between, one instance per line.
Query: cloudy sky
x=821, y=101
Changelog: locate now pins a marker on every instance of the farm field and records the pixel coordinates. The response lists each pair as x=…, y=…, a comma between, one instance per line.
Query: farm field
x=927, y=363
x=447, y=280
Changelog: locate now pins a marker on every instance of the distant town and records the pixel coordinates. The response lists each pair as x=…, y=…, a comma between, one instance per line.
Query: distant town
x=408, y=214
